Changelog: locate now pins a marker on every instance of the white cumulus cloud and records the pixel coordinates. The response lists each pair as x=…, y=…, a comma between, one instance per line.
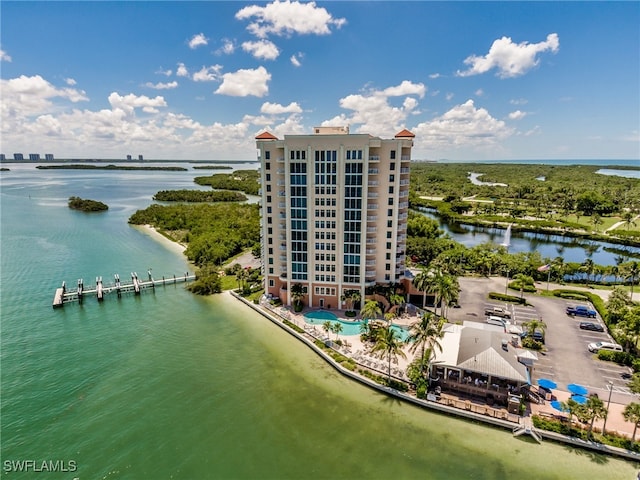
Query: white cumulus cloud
x=4, y=56
x=277, y=109
x=161, y=85
x=227, y=48
x=296, y=59
x=245, y=82
x=517, y=115
x=262, y=49
x=198, y=41
x=182, y=70
x=510, y=59
x=374, y=112
x=462, y=126
x=207, y=74
x=130, y=102
x=287, y=18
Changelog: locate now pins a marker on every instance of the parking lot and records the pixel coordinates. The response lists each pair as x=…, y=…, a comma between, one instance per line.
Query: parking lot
x=565, y=358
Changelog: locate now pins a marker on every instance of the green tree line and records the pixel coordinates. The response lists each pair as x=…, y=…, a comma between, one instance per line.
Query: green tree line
x=213, y=233
x=247, y=181
x=199, y=196
x=86, y=205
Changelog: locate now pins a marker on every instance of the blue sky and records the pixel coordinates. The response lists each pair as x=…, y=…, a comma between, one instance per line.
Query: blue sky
x=199, y=80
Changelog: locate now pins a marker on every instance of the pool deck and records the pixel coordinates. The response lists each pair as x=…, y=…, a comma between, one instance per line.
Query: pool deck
x=358, y=351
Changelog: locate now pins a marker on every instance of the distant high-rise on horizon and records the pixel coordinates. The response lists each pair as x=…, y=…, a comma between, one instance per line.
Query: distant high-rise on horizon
x=334, y=212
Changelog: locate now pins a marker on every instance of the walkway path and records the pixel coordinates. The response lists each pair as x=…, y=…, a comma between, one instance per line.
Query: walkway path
x=619, y=224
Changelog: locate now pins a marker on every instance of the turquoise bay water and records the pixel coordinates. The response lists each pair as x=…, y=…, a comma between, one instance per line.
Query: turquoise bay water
x=169, y=385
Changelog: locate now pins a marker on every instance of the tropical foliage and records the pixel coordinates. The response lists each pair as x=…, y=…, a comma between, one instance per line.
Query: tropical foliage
x=247, y=181
x=199, y=196
x=213, y=233
x=85, y=205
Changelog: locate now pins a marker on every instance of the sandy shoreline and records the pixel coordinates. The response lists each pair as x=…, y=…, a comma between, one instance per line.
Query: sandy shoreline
x=157, y=236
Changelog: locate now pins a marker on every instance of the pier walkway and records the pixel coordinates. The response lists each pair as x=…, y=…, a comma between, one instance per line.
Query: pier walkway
x=63, y=296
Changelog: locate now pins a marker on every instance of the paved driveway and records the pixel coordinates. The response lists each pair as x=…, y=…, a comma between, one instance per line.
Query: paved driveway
x=566, y=358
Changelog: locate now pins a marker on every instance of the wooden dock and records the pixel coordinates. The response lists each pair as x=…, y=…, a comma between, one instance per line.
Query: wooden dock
x=101, y=290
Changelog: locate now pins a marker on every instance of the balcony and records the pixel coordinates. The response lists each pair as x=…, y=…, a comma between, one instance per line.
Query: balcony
x=282, y=216
x=372, y=229
x=372, y=241
x=403, y=205
x=280, y=171
x=282, y=205
x=370, y=263
x=282, y=193
x=404, y=170
x=372, y=195
x=403, y=193
x=404, y=182
x=373, y=171
x=405, y=157
x=374, y=158
x=281, y=183
x=370, y=251
x=373, y=183
x=280, y=159
x=372, y=218
x=372, y=206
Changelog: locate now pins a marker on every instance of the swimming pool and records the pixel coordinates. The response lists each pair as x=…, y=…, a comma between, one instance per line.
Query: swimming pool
x=318, y=317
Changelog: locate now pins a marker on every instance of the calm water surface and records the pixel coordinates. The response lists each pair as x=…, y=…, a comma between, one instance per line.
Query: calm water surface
x=169, y=385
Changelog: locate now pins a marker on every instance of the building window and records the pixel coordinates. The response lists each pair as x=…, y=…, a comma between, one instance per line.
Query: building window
x=393, y=154
x=392, y=166
x=267, y=155
x=390, y=212
x=388, y=245
x=272, y=283
x=267, y=166
x=388, y=234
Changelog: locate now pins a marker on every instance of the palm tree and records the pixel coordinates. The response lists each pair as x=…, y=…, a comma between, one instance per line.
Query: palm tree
x=336, y=327
x=389, y=316
x=388, y=345
x=588, y=413
x=327, y=327
x=535, y=325
x=632, y=270
x=350, y=296
x=297, y=294
x=425, y=334
x=371, y=310
x=631, y=413
x=448, y=290
x=571, y=407
x=588, y=267
x=629, y=218
x=423, y=282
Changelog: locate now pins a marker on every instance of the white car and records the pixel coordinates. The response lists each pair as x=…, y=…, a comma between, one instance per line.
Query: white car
x=597, y=346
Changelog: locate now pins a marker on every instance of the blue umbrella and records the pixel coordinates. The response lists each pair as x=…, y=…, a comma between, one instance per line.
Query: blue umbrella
x=577, y=389
x=579, y=399
x=557, y=405
x=548, y=384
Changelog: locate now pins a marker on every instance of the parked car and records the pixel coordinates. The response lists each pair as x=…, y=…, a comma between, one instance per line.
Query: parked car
x=597, y=346
x=581, y=311
x=594, y=327
x=497, y=312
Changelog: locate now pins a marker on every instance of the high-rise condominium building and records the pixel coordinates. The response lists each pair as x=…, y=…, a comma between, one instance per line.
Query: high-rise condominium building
x=334, y=212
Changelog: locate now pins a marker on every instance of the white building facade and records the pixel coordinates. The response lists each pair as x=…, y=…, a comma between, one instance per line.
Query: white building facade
x=334, y=212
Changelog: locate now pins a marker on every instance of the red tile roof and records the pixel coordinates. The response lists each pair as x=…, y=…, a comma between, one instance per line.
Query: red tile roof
x=266, y=136
x=404, y=134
